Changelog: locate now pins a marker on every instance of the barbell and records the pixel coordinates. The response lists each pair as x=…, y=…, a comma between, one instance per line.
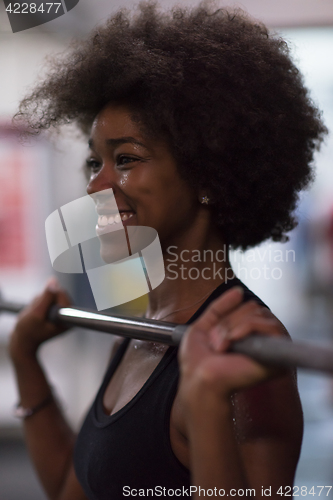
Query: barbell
x=267, y=350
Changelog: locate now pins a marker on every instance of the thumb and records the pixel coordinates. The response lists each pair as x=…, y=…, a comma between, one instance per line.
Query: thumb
x=52, y=294
x=60, y=296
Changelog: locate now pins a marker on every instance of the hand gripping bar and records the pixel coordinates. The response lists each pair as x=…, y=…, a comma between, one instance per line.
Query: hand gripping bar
x=274, y=351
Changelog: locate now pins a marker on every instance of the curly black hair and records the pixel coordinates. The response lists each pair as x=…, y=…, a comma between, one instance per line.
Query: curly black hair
x=222, y=91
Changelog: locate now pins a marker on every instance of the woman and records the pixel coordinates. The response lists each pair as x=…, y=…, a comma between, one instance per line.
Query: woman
x=200, y=123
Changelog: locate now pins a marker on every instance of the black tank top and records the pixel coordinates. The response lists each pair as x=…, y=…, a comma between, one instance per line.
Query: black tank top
x=131, y=449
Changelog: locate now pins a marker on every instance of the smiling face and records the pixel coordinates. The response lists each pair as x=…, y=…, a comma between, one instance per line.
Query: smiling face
x=143, y=175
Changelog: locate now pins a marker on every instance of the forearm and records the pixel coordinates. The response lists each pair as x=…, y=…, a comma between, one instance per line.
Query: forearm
x=214, y=453
x=269, y=427
x=48, y=436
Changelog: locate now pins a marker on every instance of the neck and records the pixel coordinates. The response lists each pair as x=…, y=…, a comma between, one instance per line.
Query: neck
x=194, y=267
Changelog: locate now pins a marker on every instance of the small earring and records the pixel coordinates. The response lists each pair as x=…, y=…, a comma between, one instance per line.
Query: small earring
x=204, y=200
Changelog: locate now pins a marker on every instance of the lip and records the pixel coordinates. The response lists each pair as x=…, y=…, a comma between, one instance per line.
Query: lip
x=111, y=211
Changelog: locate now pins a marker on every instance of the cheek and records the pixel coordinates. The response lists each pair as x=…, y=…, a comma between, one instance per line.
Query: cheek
x=156, y=188
x=124, y=179
x=142, y=184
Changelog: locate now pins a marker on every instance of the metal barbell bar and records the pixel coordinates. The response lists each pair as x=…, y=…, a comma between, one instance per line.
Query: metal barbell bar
x=267, y=350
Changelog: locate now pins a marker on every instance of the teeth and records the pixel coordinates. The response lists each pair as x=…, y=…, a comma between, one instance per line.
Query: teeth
x=103, y=220
x=126, y=216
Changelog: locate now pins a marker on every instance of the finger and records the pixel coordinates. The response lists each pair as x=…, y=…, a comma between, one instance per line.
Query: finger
x=264, y=326
x=43, y=302
x=226, y=303
x=61, y=296
x=52, y=285
x=63, y=299
x=240, y=315
x=237, y=316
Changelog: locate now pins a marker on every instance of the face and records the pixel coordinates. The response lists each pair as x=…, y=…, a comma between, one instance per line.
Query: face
x=143, y=175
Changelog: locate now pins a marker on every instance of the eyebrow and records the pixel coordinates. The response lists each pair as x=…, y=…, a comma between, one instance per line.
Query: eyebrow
x=118, y=142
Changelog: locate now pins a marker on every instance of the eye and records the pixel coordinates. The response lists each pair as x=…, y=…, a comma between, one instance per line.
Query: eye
x=123, y=161
x=93, y=166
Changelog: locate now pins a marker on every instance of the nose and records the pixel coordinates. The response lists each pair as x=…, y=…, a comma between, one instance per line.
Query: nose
x=105, y=178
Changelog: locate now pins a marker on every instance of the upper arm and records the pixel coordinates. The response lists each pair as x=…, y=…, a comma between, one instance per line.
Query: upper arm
x=72, y=489
x=269, y=428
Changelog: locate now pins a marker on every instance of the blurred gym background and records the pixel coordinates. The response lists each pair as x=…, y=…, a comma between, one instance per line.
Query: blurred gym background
x=294, y=279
